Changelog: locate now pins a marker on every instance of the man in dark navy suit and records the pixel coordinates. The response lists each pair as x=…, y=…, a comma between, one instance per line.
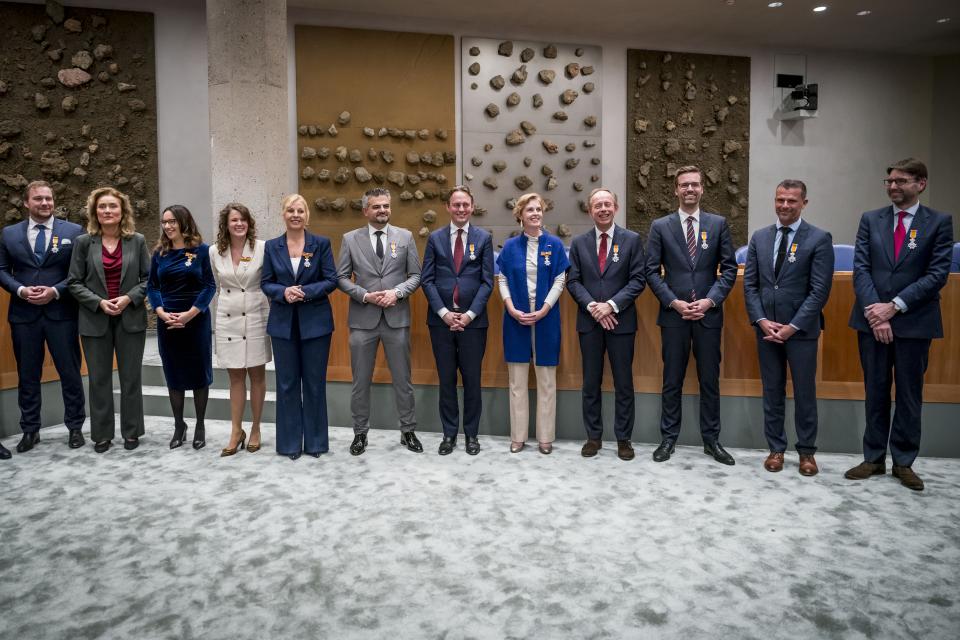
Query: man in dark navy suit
x=694, y=251
x=34, y=260
x=786, y=283
x=901, y=261
x=606, y=276
x=457, y=278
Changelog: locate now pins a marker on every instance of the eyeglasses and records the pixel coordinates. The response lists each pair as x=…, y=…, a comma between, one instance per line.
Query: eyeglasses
x=897, y=181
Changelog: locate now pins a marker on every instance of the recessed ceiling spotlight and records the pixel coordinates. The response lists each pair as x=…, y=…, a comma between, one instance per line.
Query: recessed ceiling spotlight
x=863, y=13
x=775, y=5
x=942, y=20
x=820, y=9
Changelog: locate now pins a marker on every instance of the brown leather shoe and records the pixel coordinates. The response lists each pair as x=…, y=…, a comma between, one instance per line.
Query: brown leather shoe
x=908, y=478
x=808, y=465
x=590, y=448
x=774, y=462
x=624, y=450
x=866, y=469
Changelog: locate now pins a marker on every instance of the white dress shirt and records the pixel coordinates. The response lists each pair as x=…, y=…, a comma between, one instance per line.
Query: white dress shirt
x=32, y=233
x=533, y=247
x=466, y=256
x=597, y=232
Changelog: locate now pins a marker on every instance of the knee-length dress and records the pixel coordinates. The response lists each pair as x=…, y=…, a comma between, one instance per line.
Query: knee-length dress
x=240, y=329
x=180, y=279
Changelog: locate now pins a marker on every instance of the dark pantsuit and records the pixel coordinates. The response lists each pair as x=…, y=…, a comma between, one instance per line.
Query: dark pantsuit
x=619, y=348
x=301, y=393
x=100, y=351
x=801, y=355
x=61, y=338
x=459, y=351
x=904, y=362
x=363, y=356
x=676, y=353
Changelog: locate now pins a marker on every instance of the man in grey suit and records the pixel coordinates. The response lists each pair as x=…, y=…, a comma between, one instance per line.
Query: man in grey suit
x=786, y=283
x=379, y=268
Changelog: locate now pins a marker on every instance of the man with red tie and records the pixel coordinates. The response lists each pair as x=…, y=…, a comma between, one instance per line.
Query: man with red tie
x=900, y=263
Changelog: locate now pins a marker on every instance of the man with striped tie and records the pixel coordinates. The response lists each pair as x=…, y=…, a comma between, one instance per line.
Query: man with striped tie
x=690, y=267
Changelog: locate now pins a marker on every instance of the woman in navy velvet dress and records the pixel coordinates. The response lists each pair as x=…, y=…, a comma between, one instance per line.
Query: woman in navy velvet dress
x=298, y=277
x=180, y=289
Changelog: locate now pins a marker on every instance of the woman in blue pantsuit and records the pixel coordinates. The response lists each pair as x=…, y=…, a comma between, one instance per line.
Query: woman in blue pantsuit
x=298, y=277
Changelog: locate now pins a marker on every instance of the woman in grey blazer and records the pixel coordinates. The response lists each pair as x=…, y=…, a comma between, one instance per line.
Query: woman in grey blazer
x=108, y=277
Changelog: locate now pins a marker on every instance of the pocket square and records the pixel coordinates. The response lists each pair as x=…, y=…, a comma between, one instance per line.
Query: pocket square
x=66, y=241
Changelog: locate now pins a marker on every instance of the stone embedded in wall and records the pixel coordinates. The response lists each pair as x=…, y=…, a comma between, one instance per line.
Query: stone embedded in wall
x=82, y=59
x=490, y=183
x=338, y=204
x=568, y=96
x=519, y=76
x=528, y=128
x=73, y=77
x=515, y=137
x=355, y=156
x=513, y=99
x=361, y=175
x=537, y=101
x=523, y=182
x=102, y=52
x=505, y=48
x=547, y=75
x=588, y=87
x=474, y=69
x=342, y=175
x=492, y=110
x=550, y=51
x=551, y=147
x=344, y=118
x=69, y=104
x=497, y=82
x=560, y=116
x=499, y=166
x=572, y=70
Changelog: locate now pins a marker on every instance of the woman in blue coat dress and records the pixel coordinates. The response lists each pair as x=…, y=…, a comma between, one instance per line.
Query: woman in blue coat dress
x=180, y=289
x=298, y=277
x=533, y=270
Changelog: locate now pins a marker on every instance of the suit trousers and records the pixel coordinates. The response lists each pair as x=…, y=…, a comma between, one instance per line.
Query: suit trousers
x=904, y=362
x=100, y=351
x=676, y=343
x=61, y=339
x=363, y=356
x=619, y=349
x=301, y=368
x=459, y=351
x=801, y=356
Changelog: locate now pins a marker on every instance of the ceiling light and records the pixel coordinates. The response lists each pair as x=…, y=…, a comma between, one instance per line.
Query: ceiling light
x=775, y=5
x=820, y=9
x=863, y=13
x=942, y=20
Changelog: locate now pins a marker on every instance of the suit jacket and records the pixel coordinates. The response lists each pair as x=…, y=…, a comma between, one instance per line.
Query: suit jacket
x=916, y=277
x=359, y=271
x=318, y=281
x=622, y=279
x=798, y=296
x=19, y=268
x=475, y=276
x=89, y=286
x=667, y=248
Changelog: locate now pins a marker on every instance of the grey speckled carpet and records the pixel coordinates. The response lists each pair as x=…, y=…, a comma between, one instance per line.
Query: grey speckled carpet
x=183, y=544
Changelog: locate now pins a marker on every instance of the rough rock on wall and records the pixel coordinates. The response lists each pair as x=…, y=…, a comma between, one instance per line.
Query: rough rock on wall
x=684, y=109
x=78, y=107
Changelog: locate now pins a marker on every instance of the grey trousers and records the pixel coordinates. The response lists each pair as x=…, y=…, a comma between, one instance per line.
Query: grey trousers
x=99, y=351
x=363, y=356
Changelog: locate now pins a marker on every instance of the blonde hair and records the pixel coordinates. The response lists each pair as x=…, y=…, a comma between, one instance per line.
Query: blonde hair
x=522, y=203
x=128, y=225
x=290, y=199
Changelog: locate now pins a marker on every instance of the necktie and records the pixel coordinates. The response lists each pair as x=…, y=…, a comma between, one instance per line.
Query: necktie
x=40, y=246
x=899, y=235
x=457, y=261
x=379, y=235
x=691, y=240
x=602, y=255
x=781, y=250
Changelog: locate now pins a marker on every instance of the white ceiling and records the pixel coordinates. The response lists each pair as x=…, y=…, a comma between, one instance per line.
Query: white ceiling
x=893, y=26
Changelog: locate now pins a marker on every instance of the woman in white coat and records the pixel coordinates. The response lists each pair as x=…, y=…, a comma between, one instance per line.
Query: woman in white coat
x=242, y=345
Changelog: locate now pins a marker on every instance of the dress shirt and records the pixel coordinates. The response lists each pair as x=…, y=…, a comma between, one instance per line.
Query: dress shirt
x=597, y=232
x=466, y=256
x=32, y=232
x=372, y=231
x=696, y=223
x=533, y=246
x=907, y=222
x=776, y=243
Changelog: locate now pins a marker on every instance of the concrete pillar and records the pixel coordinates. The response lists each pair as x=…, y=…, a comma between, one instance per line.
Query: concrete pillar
x=247, y=43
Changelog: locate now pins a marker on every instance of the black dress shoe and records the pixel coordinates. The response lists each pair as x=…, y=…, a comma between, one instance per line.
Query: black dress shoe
x=447, y=445
x=28, y=441
x=313, y=454
x=719, y=453
x=199, y=437
x=294, y=456
x=4, y=453
x=473, y=446
x=131, y=443
x=102, y=447
x=409, y=440
x=664, y=451
x=76, y=439
x=359, y=444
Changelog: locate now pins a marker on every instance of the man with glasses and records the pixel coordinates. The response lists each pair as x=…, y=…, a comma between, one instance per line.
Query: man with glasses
x=457, y=279
x=379, y=268
x=901, y=261
x=34, y=260
x=691, y=267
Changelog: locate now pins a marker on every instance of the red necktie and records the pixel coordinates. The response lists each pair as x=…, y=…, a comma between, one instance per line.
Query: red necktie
x=602, y=256
x=691, y=240
x=457, y=261
x=899, y=235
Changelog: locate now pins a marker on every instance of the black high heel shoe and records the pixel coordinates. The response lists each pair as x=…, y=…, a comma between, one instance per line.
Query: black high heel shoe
x=179, y=435
x=199, y=437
